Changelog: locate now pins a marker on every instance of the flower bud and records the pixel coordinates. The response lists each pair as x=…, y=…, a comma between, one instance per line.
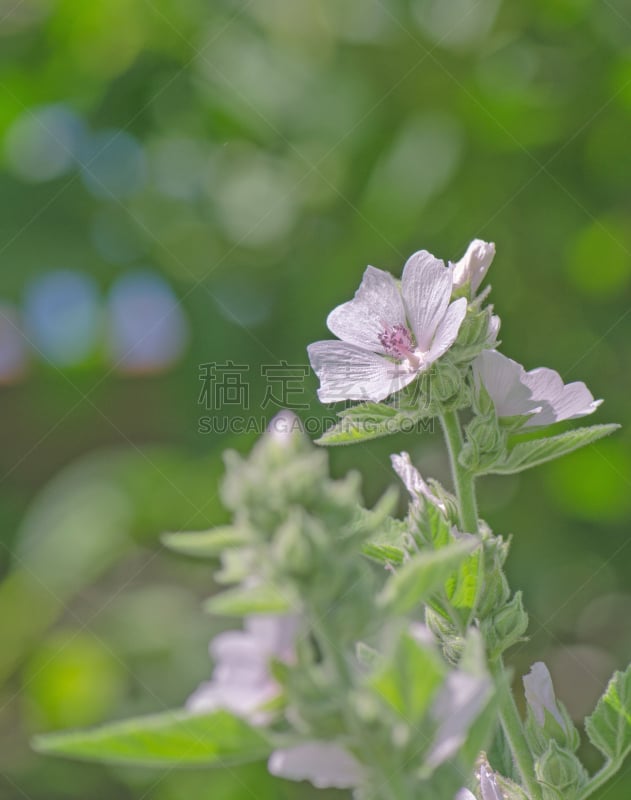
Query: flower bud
x=548, y=720
x=495, y=594
x=474, y=264
x=446, y=634
x=560, y=773
x=447, y=383
x=487, y=435
x=506, y=627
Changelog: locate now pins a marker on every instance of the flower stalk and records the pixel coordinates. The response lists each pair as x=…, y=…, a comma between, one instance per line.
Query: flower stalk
x=467, y=508
x=513, y=729
x=462, y=478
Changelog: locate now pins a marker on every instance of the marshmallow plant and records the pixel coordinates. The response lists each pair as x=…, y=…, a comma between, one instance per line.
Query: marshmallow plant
x=370, y=653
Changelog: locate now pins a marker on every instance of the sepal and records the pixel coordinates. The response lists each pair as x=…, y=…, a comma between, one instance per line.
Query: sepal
x=560, y=773
x=505, y=628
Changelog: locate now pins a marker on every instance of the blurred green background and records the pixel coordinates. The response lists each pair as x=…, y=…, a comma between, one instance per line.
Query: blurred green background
x=187, y=183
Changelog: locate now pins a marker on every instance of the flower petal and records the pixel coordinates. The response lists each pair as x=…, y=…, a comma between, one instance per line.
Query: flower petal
x=474, y=264
x=274, y=635
x=540, y=694
x=413, y=480
x=494, y=329
x=558, y=401
x=426, y=287
x=459, y=702
x=242, y=699
x=324, y=765
x=504, y=380
x=447, y=330
x=347, y=372
x=377, y=305
x=488, y=784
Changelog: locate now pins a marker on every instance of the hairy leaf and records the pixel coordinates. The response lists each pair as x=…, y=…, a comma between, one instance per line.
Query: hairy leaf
x=240, y=602
x=609, y=727
x=368, y=421
x=422, y=575
x=537, y=451
x=174, y=738
x=205, y=544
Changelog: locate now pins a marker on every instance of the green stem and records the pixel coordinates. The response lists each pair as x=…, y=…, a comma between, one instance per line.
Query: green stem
x=463, y=479
x=465, y=487
x=604, y=774
x=468, y=514
x=513, y=729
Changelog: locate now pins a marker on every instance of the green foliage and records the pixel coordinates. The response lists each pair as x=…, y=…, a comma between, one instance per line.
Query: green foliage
x=424, y=574
x=205, y=544
x=174, y=738
x=525, y=455
x=609, y=726
x=242, y=601
x=368, y=421
x=409, y=678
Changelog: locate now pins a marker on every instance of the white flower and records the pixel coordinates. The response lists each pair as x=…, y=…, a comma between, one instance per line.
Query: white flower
x=474, y=265
x=413, y=480
x=242, y=683
x=389, y=334
x=487, y=779
x=488, y=783
x=324, y=765
x=540, y=694
x=539, y=394
x=241, y=680
x=459, y=702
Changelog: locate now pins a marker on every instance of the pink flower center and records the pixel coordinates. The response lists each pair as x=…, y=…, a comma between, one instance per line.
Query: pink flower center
x=396, y=340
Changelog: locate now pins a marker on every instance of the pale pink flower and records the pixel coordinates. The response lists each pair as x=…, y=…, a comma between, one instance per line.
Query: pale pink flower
x=326, y=766
x=389, y=333
x=539, y=394
x=241, y=681
x=540, y=694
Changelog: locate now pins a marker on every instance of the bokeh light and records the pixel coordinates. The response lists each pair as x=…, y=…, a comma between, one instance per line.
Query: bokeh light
x=62, y=317
x=44, y=143
x=147, y=329
x=113, y=165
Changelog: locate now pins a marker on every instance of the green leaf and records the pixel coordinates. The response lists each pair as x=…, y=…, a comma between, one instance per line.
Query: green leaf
x=422, y=575
x=609, y=727
x=462, y=587
x=368, y=421
x=384, y=553
x=240, y=602
x=409, y=678
x=537, y=451
x=431, y=527
x=205, y=544
x=388, y=546
x=175, y=738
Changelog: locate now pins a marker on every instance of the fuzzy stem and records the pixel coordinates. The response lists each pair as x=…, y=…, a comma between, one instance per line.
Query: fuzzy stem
x=468, y=513
x=604, y=774
x=513, y=729
x=463, y=479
